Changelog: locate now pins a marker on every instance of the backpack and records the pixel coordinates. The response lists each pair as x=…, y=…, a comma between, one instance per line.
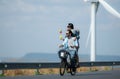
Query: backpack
x=76, y=33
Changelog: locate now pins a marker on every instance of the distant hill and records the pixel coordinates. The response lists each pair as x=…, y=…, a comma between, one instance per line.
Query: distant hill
x=47, y=57
x=53, y=57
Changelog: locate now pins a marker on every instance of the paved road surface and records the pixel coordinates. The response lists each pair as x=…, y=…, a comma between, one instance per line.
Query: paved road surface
x=85, y=75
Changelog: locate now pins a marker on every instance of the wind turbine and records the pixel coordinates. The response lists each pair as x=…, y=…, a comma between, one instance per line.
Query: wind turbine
x=94, y=8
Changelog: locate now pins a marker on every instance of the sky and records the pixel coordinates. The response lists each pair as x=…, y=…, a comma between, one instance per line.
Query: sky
x=31, y=26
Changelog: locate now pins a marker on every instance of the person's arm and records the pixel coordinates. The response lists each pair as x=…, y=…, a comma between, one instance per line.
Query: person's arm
x=76, y=44
x=64, y=42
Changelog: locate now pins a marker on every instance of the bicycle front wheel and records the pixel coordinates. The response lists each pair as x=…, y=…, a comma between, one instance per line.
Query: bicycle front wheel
x=62, y=67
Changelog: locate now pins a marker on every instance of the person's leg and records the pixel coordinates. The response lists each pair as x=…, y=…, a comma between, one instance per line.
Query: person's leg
x=77, y=52
x=77, y=58
x=72, y=53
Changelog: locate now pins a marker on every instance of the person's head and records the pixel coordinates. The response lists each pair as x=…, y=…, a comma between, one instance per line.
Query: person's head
x=68, y=33
x=70, y=26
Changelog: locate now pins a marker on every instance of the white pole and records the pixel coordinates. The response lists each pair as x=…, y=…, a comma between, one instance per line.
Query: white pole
x=93, y=23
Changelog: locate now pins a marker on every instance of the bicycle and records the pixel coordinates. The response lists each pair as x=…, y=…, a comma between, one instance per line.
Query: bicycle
x=67, y=63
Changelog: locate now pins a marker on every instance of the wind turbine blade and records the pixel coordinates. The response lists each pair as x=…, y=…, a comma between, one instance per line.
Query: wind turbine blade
x=94, y=11
x=109, y=8
x=88, y=38
x=97, y=5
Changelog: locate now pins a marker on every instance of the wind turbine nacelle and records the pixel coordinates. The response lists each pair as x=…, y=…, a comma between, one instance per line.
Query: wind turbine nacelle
x=91, y=0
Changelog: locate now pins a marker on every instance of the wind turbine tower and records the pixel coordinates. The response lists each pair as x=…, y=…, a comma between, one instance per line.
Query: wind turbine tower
x=94, y=8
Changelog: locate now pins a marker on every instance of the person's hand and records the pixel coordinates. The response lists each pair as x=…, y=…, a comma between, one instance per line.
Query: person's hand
x=72, y=46
x=60, y=46
x=75, y=38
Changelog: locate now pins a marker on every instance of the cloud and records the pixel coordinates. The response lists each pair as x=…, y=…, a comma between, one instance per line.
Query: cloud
x=20, y=13
x=13, y=6
x=31, y=6
x=109, y=26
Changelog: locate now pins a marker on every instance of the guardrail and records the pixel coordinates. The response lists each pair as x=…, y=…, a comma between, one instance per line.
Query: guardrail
x=25, y=65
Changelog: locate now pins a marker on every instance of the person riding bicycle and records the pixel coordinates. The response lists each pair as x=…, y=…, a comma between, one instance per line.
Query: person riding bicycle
x=76, y=32
x=70, y=44
x=76, y=35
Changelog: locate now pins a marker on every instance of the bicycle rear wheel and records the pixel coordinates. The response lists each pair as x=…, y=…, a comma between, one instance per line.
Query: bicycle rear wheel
x=62, y=67
x=73, y=68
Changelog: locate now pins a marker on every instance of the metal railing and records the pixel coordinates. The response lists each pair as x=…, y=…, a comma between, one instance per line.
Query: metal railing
x=26, y=65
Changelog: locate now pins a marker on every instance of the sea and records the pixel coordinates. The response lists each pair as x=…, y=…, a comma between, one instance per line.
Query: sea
x=53, y=57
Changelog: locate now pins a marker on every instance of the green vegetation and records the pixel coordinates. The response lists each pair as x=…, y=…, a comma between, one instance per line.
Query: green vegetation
x=107, y=68
x=1, y=75
x=37, y=72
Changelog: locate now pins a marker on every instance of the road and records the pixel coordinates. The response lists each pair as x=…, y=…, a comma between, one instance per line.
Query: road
x=83, y=75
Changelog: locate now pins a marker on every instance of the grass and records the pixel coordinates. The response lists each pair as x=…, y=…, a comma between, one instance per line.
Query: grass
x=43, y=71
